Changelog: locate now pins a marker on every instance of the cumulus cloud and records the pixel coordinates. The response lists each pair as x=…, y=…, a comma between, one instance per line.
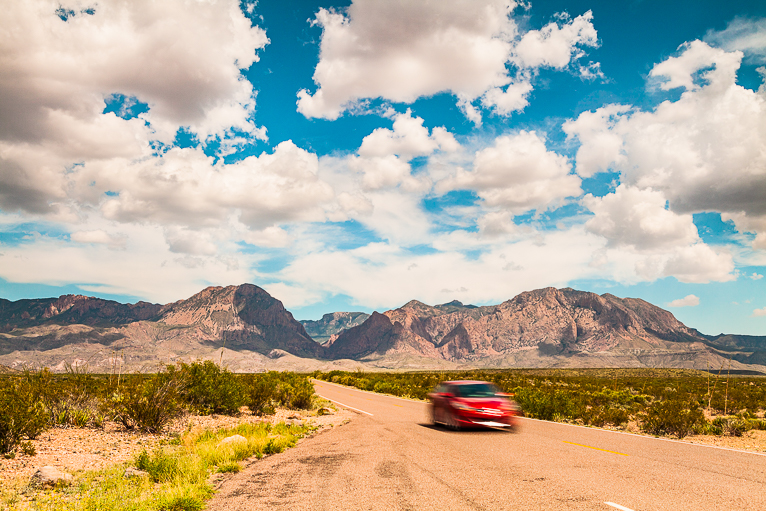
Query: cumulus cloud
x=759, y=312
x=556, y=45
x=744, y=34
x=517, y=173
x=400, y=51
x=687, y=301
x=384, y=153
x=638, y=218
x=184, y=187
x=57, y=69
x=683, y=148
x=408, y=139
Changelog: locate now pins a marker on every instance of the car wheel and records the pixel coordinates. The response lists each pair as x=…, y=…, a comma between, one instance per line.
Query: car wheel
x=452, y=422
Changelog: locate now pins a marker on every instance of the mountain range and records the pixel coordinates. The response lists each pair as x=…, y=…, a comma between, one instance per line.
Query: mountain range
x=251, y=331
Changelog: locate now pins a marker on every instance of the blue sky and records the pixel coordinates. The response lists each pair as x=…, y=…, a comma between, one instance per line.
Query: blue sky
x=354, y=156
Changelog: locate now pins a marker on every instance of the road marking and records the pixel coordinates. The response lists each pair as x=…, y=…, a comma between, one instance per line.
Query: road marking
x=617, y=506
x=596, y=448
x=645, y=437
x=339, y=403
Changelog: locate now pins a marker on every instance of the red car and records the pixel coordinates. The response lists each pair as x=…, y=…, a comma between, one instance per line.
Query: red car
x=462, y=404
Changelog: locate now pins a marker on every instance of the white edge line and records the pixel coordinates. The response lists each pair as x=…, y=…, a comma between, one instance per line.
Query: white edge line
x=648, y=437
x=341, y=404
x=617, y=506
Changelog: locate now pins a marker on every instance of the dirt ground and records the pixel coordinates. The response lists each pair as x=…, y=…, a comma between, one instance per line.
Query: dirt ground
x=75, y=449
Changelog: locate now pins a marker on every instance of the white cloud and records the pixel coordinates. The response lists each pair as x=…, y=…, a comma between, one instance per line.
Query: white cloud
x=746, y=35
x=683, y=148
x=755, y=276
x=184, y=187
x=759, y=312
x=638, y=218
x=556, y=45
x=408, y=139
x=699, y=264
x=383, y=275
x=98, y=237
x=400, y=51
x=182, y=59
x=517, y=173
x=687, y=301
x=146, y=268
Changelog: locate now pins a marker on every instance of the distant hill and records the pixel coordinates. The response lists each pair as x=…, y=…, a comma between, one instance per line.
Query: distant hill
x=333, y=323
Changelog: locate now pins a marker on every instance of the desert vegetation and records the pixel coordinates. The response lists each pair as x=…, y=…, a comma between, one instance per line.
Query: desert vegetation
x=672, y=402
x=174, y=475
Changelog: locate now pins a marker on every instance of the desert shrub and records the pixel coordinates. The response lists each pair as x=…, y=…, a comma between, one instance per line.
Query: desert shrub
x=21, y=414
x=547, y=405
x=207, y=388
x=259, y=394
x=294, y=391
x=603, y=415
x=147, y=403
x=672, y=417
x=266, y=390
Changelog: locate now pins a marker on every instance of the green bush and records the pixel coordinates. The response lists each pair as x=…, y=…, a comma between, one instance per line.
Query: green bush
x=259, y=394
x=672, y=417
x=147, y=403
x=267, y=390
x=206, y=388
x=21, y=414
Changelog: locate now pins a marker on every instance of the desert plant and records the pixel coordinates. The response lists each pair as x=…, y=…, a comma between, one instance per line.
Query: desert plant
x=149, y=403
x=207, y=388
x=259, y=394
x=21, y=415
x=673, y=417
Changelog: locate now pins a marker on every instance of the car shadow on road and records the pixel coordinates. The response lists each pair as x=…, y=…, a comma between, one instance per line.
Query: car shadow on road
x=486, y=431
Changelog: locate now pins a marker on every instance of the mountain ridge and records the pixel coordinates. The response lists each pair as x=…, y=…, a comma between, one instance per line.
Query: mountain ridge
x=254, y=331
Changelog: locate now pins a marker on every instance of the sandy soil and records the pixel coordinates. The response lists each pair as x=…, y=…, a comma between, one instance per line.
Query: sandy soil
x=73, y=449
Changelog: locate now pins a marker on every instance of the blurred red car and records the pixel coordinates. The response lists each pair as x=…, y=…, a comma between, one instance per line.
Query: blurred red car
x=462, y=404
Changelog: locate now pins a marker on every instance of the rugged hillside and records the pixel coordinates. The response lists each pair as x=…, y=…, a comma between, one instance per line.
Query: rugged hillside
x=244, y=317
x=252, y=331
x=332, y=324
x=72, y=309
x=546, y=326
x=245, y=320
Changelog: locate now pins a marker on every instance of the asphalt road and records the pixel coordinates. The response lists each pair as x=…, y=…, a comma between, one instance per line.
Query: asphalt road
x=390, y=458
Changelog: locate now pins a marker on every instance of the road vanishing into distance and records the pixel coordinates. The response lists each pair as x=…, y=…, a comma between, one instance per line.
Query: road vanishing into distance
x=390, y=458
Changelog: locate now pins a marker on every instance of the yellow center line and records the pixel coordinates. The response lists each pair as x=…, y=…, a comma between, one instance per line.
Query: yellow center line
x=596, y=448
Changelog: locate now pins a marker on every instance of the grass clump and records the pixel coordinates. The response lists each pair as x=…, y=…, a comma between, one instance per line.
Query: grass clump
x=178, y=474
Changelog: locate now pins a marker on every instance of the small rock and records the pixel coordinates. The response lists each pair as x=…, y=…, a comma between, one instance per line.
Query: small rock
x=232, y=439
x=294, y=417
x=50, y=476
x=135, y=472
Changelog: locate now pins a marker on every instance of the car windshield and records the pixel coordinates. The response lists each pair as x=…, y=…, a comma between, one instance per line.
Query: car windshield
x=475, y=390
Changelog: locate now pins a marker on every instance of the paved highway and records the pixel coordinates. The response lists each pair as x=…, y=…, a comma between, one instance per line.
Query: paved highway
x=390, y=458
